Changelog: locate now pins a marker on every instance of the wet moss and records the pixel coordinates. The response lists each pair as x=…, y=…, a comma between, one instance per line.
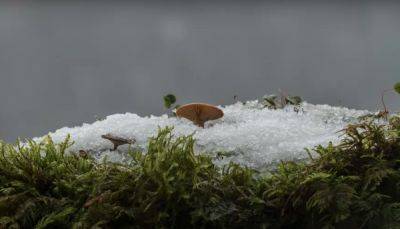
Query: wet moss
x=351, y=185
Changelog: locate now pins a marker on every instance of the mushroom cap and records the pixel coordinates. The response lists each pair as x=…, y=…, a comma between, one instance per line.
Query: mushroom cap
x=199, y=112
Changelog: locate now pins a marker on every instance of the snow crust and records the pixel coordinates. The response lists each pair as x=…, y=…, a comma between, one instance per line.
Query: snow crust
x=253, y=136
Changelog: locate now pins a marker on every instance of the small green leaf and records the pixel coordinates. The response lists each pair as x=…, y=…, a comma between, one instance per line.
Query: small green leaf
x=169, y=100
x=397, y=87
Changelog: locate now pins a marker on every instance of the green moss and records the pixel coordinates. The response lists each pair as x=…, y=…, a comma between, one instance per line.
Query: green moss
x=351, y=185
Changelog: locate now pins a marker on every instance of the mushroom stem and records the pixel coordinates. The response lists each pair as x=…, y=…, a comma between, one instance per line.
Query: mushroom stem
x=200, y=123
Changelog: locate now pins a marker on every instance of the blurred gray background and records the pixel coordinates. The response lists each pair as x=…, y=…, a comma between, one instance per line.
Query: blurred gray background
x=65, y=62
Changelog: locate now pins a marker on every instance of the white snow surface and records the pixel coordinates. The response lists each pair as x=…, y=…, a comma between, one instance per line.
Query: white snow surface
x=253, y=135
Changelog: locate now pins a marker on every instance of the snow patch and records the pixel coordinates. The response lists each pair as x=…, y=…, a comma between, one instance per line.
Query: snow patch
x=253, y=135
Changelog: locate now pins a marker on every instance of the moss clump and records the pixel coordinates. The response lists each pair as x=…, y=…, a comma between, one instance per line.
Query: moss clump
x=351, y=185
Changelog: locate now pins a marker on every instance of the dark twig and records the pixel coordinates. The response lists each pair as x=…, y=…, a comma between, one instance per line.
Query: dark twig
x=385, y=110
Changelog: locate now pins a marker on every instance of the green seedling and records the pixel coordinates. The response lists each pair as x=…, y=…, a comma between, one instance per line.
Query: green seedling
x=275, y=102
x=293, y=100
x=169, y=100
x=270, y=101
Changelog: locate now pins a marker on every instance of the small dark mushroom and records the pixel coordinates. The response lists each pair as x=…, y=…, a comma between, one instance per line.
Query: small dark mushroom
x=83, y=154
x=117, y=141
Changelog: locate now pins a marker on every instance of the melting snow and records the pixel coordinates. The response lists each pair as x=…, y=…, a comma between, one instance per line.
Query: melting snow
x=254, y=136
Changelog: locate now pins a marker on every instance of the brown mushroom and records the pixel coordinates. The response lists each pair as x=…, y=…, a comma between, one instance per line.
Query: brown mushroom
x=117, y=141
x=199, y=113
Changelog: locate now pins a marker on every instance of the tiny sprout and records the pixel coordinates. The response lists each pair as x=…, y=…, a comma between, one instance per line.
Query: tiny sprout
x=169, y=100
x=270, y=101
x=396, y=87
x=293, y=100
x=273, y=102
